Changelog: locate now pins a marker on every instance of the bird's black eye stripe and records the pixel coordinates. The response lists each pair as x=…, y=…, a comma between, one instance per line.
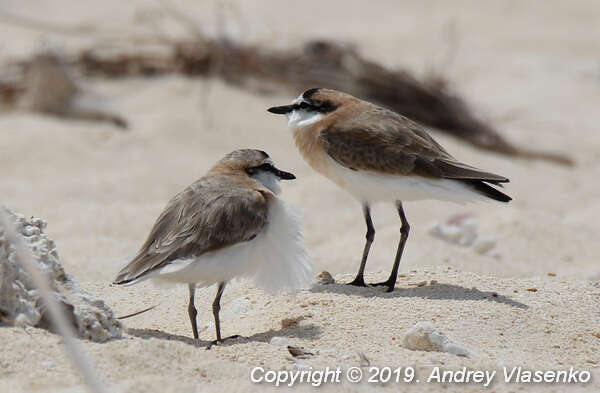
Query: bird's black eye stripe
x=322, y=107
x=263, y=167
x=302, y=105
x=266, y=167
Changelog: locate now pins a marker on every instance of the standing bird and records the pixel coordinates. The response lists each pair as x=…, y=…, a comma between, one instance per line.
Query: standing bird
x=229, y=223
x=378, y=155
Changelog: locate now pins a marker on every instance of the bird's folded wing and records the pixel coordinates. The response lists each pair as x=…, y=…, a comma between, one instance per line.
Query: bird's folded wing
x=396, y=145
x=197, y=221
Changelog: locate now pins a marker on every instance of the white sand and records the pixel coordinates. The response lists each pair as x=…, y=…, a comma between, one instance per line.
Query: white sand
x=532, y=70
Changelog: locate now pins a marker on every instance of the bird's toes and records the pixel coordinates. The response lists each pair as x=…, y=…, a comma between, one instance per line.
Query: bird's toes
x=390, y=285
x=217, y=342
x=358, y=282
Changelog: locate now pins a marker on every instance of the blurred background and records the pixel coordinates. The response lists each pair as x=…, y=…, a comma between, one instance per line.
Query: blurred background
x=138, y=99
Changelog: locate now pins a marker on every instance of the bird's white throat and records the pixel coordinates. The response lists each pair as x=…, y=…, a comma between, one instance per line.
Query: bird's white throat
x=269, y=180
x=301, y=118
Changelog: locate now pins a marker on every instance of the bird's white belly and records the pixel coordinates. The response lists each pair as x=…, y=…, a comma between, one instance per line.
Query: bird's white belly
x=276, y=258
x=377, y=187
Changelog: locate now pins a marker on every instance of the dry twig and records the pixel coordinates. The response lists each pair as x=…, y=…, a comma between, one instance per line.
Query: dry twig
x=316, y=64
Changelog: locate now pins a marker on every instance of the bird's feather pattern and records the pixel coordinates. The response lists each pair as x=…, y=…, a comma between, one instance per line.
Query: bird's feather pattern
x=213, y=213
x=382, y=141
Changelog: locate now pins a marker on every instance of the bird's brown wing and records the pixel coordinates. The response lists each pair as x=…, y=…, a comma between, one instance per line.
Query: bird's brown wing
x=204, y=217
x=385, y=142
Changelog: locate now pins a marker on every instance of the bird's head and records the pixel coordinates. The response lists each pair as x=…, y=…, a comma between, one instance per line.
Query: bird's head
x=313, y=105
x=256, y=164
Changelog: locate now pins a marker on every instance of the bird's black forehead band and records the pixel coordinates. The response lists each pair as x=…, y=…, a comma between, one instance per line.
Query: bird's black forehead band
x=264, y=153
x=309, y=93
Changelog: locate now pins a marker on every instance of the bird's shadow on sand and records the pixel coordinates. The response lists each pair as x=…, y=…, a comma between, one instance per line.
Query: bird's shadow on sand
x=307, y=331
x=434, y=292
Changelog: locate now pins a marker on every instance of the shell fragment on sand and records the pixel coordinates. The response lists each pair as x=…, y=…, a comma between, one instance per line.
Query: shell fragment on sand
x=425, y=337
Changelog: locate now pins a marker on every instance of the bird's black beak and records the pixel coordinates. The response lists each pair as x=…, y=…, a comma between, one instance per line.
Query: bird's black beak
x=283, y=175
x=281, y=110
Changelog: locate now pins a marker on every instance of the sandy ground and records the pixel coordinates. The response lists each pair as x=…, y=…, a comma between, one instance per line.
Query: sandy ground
x=531, y=68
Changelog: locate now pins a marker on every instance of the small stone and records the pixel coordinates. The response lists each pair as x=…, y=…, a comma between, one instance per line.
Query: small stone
x=597, y=334
x=299, y=353
x=552, y=274
x=532, y=289
x=425, y=337
x=433, y=282
x=418, y=284
x=279, y=341
x=325, y=278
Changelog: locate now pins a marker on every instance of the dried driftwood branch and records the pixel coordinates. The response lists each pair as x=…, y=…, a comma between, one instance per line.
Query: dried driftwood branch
x=317, y=63
x=47, y=87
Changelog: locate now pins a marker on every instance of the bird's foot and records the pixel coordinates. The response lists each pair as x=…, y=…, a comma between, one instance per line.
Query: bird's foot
x=217, y=342
x=359, y=281
x=388, y=283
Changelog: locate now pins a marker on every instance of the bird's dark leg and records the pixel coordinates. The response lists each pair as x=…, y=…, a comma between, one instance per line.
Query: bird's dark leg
x=404, y=231
x=359, y=280
x=216, y=306
x=192, y=310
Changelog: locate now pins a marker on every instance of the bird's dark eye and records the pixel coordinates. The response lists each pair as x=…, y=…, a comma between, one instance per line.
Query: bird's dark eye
x=266, y=167
x=304, y=105
x=263, y=167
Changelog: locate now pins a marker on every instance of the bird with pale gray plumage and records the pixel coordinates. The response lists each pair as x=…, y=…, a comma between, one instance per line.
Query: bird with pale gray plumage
x=230, y=223
x=380, y=156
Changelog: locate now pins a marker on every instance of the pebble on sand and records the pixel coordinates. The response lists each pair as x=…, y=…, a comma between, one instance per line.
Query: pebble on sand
x=325, y=278
x=425, y=337
x=299, y=353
